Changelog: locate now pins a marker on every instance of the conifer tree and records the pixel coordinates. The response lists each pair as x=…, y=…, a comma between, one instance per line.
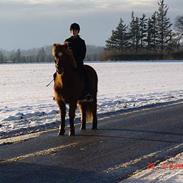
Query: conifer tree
x=119, y=37
x=143, y=31
x=152, y=32
x=164, y=26
x=134, y=32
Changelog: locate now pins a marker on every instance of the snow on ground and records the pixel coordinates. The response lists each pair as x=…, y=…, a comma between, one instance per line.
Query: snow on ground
x=26, y=103
x=169, y=171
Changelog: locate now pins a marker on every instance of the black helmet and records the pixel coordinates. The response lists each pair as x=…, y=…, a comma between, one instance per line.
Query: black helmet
x=75, y=26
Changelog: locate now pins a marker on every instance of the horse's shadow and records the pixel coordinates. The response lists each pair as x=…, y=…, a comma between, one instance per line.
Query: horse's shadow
x=134, y=134
x=142, y=131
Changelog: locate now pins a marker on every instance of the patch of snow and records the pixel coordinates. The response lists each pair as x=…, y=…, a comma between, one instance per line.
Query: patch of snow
x=168, y=171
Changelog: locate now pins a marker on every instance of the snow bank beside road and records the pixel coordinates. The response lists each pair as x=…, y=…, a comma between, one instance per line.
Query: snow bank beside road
x=168, y=171
x=26, y=104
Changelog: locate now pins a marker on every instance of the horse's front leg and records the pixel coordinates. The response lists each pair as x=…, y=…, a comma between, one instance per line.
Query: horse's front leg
x=72, y=109
x=62, y=113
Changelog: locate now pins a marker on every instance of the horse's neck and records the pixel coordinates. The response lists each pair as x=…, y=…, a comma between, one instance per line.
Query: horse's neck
x=71, y=58
x=58, y=80
x=67, y=78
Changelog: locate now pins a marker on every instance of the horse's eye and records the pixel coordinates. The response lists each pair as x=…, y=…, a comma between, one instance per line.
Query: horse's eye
x=60, y=54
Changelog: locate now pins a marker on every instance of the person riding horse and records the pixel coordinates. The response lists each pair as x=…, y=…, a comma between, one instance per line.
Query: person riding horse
x=78, y=47
x=69, y=88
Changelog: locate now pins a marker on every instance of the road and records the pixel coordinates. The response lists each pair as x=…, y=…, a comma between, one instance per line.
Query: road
x=124, y=144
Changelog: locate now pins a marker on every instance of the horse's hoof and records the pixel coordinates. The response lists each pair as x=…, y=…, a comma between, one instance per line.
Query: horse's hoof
x=61, y=133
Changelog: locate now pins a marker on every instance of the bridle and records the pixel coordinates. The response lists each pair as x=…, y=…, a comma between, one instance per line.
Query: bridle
x=60, y=55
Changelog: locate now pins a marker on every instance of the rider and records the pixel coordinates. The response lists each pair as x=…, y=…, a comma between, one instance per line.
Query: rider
x=78, y=47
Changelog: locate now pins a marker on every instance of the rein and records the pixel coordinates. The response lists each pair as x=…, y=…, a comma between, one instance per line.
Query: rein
x=49, y=83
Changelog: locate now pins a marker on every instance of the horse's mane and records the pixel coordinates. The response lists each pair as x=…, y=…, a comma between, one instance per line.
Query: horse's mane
x=69, y=52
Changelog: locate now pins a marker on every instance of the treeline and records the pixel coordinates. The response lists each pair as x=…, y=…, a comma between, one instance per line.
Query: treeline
x=26, y=56
x=42, y=55
x=146, y=37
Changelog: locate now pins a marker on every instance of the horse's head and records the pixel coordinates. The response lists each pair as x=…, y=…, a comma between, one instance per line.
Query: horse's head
x=63, y=55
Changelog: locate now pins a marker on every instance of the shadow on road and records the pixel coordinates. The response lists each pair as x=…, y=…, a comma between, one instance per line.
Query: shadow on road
x=121, y=146
x=22, y=172
x=144, y=131
x=153, y=138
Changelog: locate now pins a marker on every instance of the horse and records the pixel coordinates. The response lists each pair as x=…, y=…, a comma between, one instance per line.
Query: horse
x=69, y=86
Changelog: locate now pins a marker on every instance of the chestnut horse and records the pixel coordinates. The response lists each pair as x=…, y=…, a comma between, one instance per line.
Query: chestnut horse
x=69, y=87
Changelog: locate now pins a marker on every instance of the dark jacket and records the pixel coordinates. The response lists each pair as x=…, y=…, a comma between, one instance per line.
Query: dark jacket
x=78, y=46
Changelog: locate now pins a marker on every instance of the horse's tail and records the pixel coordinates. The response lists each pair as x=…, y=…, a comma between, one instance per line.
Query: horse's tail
x=91, y=110
x=91, y=107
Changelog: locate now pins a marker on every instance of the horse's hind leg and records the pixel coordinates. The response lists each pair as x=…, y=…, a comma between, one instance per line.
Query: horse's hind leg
x=63, y=113
x=83, y=116
x=94, y=111
x=72, y=109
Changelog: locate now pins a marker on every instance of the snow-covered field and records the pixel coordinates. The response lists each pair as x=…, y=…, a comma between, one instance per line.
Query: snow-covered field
x=26, y=103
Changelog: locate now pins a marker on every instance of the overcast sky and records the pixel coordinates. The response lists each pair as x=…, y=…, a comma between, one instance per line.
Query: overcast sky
x=34, y=23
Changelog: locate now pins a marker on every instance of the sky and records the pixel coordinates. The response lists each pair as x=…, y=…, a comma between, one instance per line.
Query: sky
x=29, y=24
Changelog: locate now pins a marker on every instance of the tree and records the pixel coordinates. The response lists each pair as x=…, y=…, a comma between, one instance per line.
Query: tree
x=2, y=58
x=152, y=32
x=179, y=24
x=164, y=26
x=179, y=30
x=134, y=32
x=18, y=56
x=41, y=56
x=175, y=42
x=119, y=37
x=143, y=31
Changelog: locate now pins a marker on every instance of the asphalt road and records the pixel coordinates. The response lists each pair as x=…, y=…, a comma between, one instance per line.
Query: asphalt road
x=125, y=143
